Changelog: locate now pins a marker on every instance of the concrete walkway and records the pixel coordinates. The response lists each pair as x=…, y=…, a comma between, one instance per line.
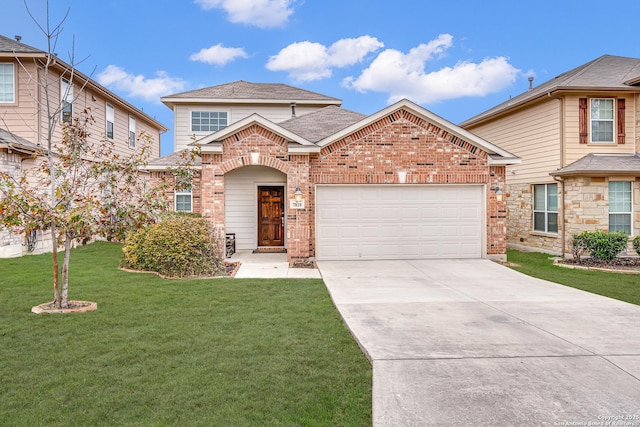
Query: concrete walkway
x=269, y=266
x=473, y=343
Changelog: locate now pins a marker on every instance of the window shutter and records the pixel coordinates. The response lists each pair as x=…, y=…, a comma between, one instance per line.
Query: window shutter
x=583, y=121
x=621, y=121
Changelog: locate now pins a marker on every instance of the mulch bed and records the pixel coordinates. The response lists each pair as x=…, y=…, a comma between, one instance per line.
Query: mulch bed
x=620, y=264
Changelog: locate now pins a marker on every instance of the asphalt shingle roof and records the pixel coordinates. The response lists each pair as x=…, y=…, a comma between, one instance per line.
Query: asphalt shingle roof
x=11, y=45
x=322, y=123
x=172, y=159
x=602, y=163
x=246, y=90
x=16, y=142
x=610, y=73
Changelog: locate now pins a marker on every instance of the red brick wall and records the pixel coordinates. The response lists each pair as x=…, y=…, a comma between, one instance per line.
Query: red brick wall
x=400, y=141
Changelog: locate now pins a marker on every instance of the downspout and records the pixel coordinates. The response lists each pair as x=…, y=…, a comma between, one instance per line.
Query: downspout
x=563, y=239
x=563, y=235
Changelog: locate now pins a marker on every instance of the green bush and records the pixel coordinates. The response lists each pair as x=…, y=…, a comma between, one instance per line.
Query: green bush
x=133, y=250
x=177, y=246
x=636, y=244
x=579, y=246
x=605, y=246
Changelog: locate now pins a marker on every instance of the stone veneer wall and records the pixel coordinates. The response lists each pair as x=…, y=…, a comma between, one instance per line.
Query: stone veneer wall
x=520, y=233
x=587, y=206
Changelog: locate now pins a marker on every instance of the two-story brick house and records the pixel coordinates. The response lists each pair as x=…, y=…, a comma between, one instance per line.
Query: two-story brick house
x=287, y=169
x=578, y=136
x=25, y=89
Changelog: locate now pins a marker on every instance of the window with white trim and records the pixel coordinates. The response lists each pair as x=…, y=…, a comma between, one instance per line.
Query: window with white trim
x=602, y=120
x=183, y=195
x=7, y=83
x=66, y=100
x=132, y=132
x=208, y=121
x=545, y=208
x=620, y=206
x=110, y=118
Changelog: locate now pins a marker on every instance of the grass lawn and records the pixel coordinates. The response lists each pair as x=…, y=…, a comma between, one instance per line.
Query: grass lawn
x=223, y=352
x=624, y=287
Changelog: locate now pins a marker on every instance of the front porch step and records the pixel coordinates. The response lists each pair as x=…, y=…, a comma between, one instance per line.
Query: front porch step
x=270, y=250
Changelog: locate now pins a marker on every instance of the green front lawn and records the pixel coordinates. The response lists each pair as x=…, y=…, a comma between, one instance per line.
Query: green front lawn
x=224, y=352
x=624, y=287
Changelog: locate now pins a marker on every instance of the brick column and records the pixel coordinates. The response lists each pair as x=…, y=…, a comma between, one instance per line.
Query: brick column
x=298, y=220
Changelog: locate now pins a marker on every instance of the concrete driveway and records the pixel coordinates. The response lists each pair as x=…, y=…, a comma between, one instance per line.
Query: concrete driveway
x=473, y=343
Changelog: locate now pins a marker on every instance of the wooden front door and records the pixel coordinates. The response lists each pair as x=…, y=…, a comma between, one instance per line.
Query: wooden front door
x=270, y=216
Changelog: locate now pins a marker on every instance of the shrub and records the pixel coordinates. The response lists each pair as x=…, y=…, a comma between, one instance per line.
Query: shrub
x=600, y=244
x=578, y=246
x=177, y=246
x=636, y=244
x=133, y=250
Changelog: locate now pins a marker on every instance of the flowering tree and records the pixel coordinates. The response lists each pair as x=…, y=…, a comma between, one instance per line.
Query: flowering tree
x=82, y=190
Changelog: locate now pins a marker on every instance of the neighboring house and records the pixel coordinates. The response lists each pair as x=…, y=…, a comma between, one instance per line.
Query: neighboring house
x=24, y=86
x=578, y=136
x=331, y=184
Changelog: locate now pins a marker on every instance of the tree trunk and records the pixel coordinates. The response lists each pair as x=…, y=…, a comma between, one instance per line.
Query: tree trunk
x=64, y=290
x=54, y=252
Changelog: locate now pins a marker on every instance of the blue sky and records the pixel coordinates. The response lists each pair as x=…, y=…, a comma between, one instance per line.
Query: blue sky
x=456, y=58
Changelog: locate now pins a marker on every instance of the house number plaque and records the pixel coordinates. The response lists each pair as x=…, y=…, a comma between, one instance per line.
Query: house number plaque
x=296, y=204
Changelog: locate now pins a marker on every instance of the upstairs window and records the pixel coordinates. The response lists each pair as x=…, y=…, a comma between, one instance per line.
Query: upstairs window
x=111, y=114
x=602, y=120
x=132, y=132
x=66, y=100
x=208, y=121
x=7, y=85
x=545, y=208
x=620, y=206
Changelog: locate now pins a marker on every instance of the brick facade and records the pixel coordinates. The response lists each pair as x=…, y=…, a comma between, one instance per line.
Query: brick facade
x=399, y=141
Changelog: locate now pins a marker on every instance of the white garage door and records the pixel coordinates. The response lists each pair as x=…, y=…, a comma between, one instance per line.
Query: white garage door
x=398, y=222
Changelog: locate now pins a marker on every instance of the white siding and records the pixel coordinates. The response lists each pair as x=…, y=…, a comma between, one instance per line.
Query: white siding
x=274, y=112
x=241, y=201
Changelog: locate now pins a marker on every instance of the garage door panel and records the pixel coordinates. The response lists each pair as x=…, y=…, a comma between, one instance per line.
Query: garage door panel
x=394, y=222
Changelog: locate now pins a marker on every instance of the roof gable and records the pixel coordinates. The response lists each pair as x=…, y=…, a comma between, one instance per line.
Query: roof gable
x=606, y=73
x=210, y=143
x=452, y=131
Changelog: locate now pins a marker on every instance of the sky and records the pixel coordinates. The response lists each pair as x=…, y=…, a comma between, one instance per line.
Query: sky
x=456, y=58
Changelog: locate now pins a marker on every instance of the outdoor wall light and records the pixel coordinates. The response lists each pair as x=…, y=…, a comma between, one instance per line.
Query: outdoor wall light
x=298, y=194
x=498, y=193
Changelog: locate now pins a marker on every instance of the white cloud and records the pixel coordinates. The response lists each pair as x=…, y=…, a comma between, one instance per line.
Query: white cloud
x=138, y=86
x=305, y=61
x=261, y=13
x=219, y=55
x=403, y=75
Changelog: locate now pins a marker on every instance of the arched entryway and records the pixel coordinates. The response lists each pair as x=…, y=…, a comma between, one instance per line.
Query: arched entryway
x=255, y=207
